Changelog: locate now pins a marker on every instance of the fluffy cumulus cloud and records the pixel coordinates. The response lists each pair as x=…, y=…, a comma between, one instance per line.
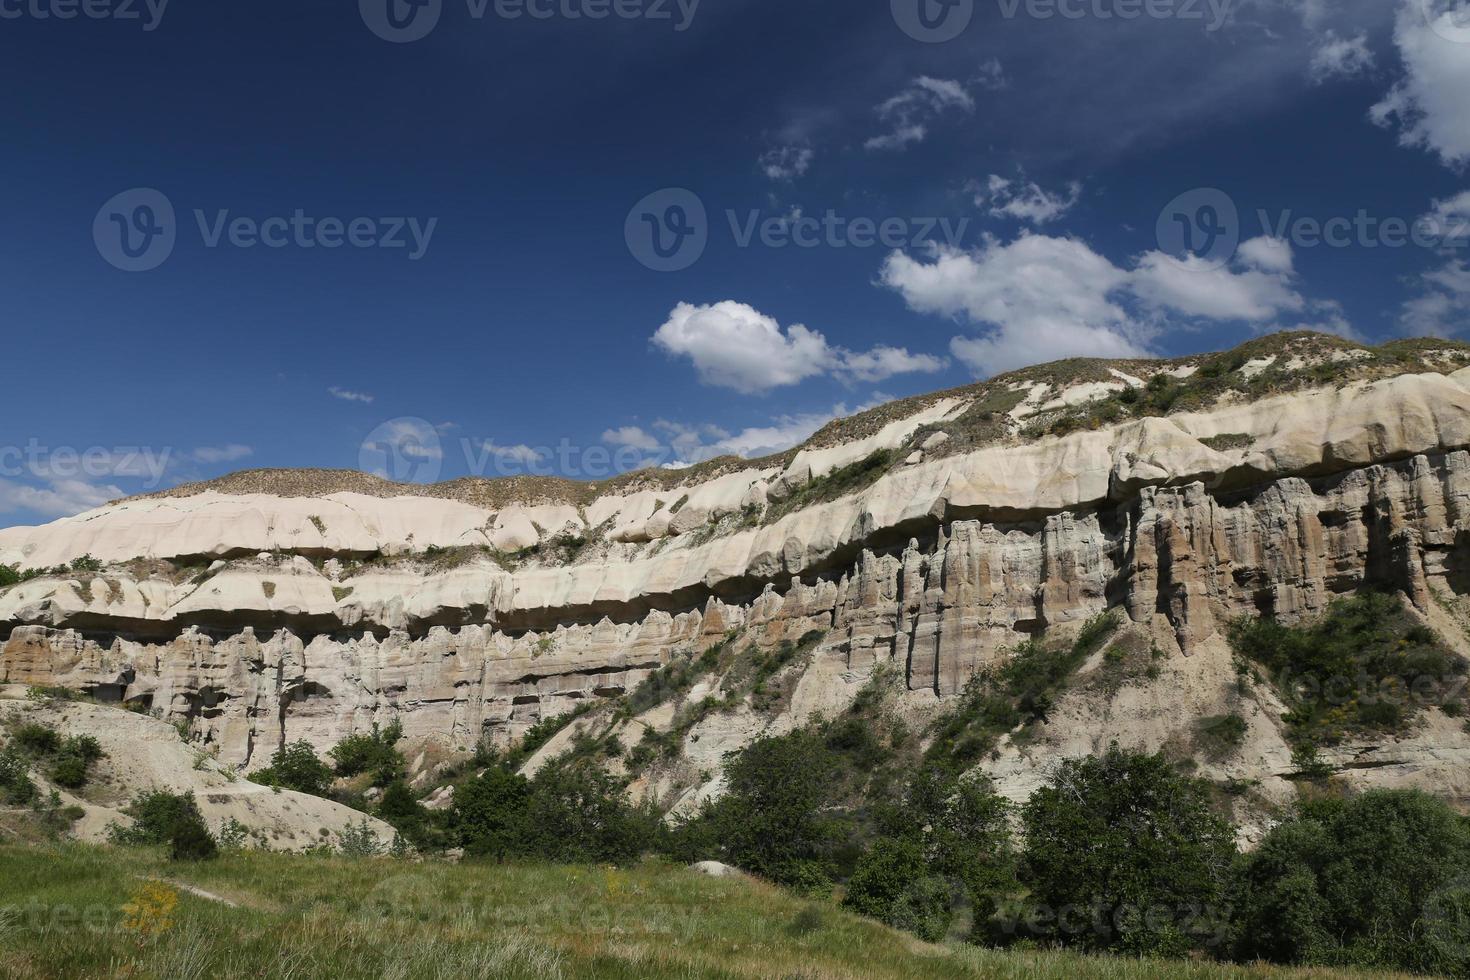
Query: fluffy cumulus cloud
x=1270, y=254
x=1041, y=297
x=908, y=114
x=1195, y=288
x=1429, y=104
x=631, y=436
x=1341, y=57
x=1024, y=200
x=735, y=346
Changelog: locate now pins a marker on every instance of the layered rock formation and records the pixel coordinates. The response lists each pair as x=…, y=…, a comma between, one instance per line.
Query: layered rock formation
x=260, y=617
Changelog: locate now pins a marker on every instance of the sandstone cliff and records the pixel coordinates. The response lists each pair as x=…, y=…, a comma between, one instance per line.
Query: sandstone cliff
x=930, y=536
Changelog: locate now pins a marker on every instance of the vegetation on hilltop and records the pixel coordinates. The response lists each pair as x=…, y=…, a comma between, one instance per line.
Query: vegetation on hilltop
x=1215, y=376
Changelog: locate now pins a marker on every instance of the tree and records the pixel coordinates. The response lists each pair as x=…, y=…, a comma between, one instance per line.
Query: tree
x=489, y=814
x=945, y=838
x=1123, y=853
x=893, y=883
x=296, y=767
x=775, y=818
x=576, y=814
x=1382, y=880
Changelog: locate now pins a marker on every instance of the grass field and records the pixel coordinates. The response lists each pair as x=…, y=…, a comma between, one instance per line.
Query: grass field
x=83, y=911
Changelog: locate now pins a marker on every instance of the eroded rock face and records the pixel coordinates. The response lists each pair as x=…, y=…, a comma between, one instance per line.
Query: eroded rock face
x=274, y=633
x=943, y=608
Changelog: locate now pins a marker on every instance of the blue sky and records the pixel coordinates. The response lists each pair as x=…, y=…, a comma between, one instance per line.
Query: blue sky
x=489, y=305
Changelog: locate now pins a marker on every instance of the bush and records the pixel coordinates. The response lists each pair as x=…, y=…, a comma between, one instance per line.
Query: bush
x=16, y=788
x=1366, y=666
x=172, y=819
x=70, y=772
x=8, y=576
x=489, y=815
x=1377, y=881
x=191, y=841
x=35, y=739
x=577, y=814
x=372, y=752
x=893, y=884
x=416, y=824
x=359, y=840
x=296, y=767
x=1130, y=851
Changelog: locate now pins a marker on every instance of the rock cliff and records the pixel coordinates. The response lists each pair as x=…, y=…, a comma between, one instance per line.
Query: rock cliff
x=929, y=537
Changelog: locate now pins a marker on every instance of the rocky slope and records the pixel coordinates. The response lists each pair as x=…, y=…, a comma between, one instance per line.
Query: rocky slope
x=928, y=537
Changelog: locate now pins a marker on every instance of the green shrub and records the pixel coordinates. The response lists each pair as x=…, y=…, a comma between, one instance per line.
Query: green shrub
x=296, y=767
x=84, y=747
x=1365, y=666
x=544, y=731
x=998, y=700
x=489, y=814
x=1377, y=881
x=577, y=814
x=8, y=576
x=16, y=788
x=1135, y=847
x=191, y=841
x=171, y=819
x=416, y=824
x=372, y=752
x=69, y=771
x=893, y=884
x=359, y=841
x=35, y=739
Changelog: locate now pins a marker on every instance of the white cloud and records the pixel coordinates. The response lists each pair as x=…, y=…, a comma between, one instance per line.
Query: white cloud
x=786, y=162
x=1195, y=288
x=907, y=113
x=350, y=396
x=632, y=436
x=1044, y=298
x=519, y=453
x=1442, y=307
x=885, y=362
x=1449, y=219
x=1024, y=200
x=1267, y=253
x=735, y=346
x=1429, y=103
x=221, y=454
x=1341, y=57
x=59, y=498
